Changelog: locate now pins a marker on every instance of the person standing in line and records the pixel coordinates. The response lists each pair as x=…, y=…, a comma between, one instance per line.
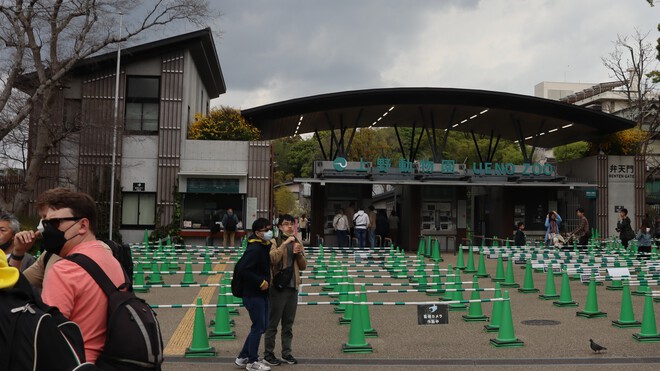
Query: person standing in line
x=624, y=227
x=229, y=223
x=253, y=272
x=552, y=222
x=393, y=221
x=520, y=239
x=70, y=228
x=9, y=227
x=302, y=225
x=350, y=213
x=382, y=226
x=361, y=222
x=582, y=232
x=644, y=241
x=287, y=259
x=371, y=229
x=340, y=224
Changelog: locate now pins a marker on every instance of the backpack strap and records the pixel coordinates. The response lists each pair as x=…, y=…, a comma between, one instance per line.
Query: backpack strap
x=95, y=271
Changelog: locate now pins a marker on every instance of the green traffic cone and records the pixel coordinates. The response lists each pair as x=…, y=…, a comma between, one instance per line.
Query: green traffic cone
x=475, y=313
x=146, y=239
x=565, y=298
x=207, y=267
x=499, y=270
x=435, y=254
x=470, y=264
x=528, y=285
x=188, y=275
x=460, y=262
x=506, y=337
x=643, y=287
x=591, y=305
x=341, y=289
x=226, y=282
x=449, y=295
x=366, y=318
x=199, y=347
x=347, y=318
x=550, y=290
x=626, y=315
x=617, y=285
x=357, y=342
x=330, y=280
x=155, y=278
x=509, y=280
x=427, y=248
x=138, y=280
x=436, y=283
x=348, y=308
x=222, y=327
x=649, y=331
x=496, y=315
x=458, y=294
x=481, y=268
x=420, y=247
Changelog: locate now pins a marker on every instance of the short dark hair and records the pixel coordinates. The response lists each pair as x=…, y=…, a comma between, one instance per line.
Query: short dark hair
x=624, y=210
x=580, y=210
x=81, y=204
x=371, y=207
x=520, y=223
x=260, y=224
x=285, y=217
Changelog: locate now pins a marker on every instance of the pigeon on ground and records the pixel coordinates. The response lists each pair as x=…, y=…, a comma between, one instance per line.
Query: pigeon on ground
x=595, y=347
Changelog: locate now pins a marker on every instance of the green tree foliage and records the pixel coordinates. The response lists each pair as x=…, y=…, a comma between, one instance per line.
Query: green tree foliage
x=224, y=123
x=285, y=201
x=571, y=151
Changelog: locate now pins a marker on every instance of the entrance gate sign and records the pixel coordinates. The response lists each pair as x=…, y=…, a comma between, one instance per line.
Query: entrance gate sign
x=447, y=167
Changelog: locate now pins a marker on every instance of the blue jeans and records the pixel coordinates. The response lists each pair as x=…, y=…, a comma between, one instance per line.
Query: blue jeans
x=341, y=238
x=372, y=238
x=361, y=235
x=257, y=307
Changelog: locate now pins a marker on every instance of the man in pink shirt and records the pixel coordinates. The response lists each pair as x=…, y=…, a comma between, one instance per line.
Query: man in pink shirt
x=69, y=228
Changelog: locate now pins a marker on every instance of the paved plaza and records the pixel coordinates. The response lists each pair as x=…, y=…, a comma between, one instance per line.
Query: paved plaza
x=402, y=343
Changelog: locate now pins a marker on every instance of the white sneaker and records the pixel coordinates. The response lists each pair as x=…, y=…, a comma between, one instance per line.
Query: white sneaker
x=257, y=366
x=241, y=362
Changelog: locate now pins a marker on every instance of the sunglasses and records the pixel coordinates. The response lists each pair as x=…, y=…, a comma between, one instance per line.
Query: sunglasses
x=55, y=222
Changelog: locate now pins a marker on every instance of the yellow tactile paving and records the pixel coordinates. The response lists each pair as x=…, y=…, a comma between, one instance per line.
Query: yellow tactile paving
x=182, y=336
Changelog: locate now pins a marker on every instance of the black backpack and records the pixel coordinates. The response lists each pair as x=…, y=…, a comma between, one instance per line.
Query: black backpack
x=236, y=282
x=35, y=336
x=122, y=252
x=231, y=223
x=133, y=339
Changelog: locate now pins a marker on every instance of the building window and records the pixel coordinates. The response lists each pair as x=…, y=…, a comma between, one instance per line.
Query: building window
x=142, y=103
x=138, y=209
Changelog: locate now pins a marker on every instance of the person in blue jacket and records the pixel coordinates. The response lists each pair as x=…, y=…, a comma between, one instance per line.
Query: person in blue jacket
x=552, y=221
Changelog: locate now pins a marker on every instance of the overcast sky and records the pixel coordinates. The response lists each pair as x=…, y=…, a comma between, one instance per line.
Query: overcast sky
x=272, y=51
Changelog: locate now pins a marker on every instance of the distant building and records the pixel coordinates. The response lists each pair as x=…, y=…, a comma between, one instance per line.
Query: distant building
x=161, y=176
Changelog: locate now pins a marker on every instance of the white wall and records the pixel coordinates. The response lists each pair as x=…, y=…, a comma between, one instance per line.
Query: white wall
x=139, y=162
x=214, y=159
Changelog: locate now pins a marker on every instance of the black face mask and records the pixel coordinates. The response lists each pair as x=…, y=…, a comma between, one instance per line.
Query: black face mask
x=54, y=239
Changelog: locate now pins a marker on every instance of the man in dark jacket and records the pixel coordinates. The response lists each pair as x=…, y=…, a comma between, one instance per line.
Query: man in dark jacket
x=520, y=239
x=254, y=272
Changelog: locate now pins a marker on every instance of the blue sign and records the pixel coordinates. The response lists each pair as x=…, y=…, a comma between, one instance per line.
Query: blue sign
x=340, y=164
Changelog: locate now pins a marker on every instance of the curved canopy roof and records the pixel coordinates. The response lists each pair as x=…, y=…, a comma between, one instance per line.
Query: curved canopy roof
x=538, y=121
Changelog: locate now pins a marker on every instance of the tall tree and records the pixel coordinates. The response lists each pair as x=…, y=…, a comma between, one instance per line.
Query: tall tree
x=631, y=63
x=46, y=39
x=224, y=123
